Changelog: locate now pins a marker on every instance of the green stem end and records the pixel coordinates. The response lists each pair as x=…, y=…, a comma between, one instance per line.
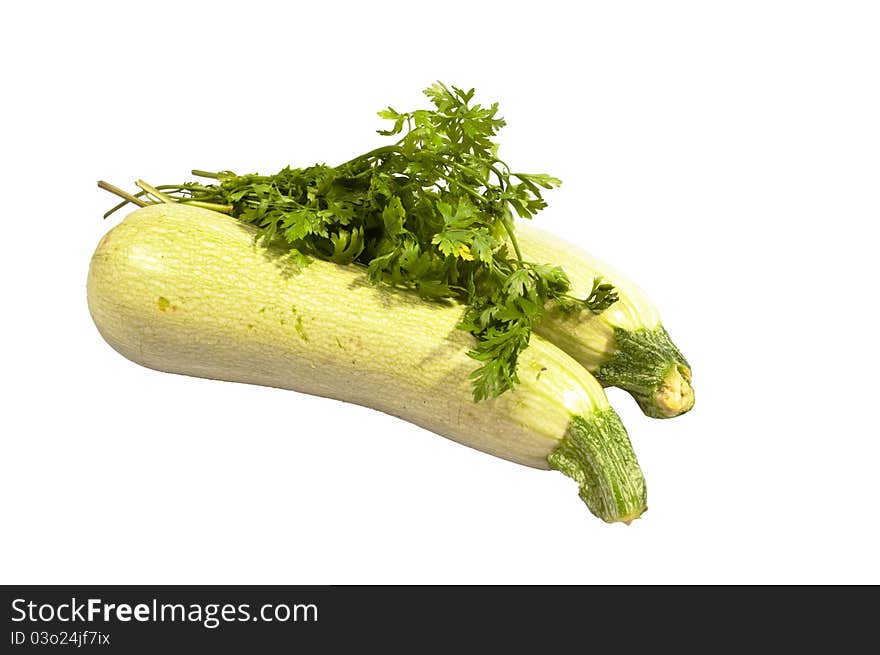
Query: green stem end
x=597, y=454
x=649, y=366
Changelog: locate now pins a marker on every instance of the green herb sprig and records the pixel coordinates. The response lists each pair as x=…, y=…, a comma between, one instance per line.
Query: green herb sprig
x=432, y=212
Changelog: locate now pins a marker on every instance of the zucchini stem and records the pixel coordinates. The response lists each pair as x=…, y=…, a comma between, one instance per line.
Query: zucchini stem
x=648, y=365
x=597, y=454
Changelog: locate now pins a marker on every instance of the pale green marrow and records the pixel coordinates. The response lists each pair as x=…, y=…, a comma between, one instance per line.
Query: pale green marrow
x=189, y=291
x=626, y=345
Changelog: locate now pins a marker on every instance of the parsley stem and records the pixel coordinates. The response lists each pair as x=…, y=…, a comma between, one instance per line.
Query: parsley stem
x=223, y=209
x=122, y=194
x=512, y=236
x=208, y=174
x=369, y=155
x=462, y=186
x=121, y=204
x=469, y=171
x=153, y=191
x=147, y=189
x=502, y=181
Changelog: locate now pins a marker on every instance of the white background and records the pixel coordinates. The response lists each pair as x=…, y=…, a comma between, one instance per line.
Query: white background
x=725, y=155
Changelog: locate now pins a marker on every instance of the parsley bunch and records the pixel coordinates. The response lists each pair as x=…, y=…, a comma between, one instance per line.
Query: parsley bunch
x=432, y=212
